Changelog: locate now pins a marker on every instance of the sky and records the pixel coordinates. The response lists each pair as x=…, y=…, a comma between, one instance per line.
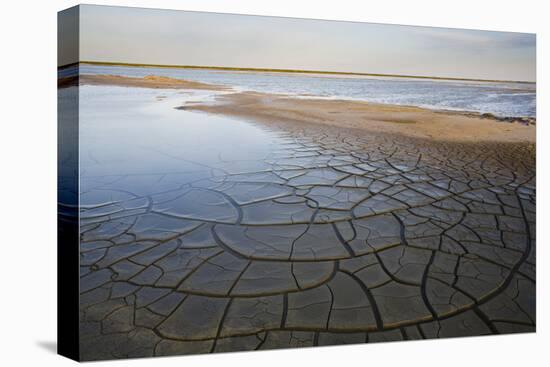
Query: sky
x=169, y=37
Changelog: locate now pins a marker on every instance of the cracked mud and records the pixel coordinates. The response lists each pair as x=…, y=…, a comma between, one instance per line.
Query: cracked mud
x=330, y=237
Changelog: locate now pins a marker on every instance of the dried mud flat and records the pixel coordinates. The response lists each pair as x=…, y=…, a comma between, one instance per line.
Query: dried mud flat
x=337, y=237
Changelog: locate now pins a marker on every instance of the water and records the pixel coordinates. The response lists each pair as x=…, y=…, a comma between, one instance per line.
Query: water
x=137, y=131
x=500, y=99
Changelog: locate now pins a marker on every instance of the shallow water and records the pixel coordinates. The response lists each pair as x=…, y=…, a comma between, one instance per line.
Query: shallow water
x=138, y=131
x=501, y=99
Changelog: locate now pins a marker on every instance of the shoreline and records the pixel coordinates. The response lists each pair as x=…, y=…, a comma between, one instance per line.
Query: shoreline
x=295, y=71
x=409, y=121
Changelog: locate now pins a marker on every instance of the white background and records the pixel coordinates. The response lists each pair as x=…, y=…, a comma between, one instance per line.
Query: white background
x=28, y=181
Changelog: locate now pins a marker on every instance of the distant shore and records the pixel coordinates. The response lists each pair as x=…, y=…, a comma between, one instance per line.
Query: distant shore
x=371, y=117
x=296, y=71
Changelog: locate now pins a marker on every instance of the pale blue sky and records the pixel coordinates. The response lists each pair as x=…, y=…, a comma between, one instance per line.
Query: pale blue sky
x=136, y=35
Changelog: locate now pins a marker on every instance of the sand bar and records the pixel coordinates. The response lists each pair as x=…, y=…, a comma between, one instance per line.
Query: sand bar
x=409, y=121
x=150, y=81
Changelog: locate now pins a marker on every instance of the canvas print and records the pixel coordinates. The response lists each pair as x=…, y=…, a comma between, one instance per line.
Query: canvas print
x=239, y=183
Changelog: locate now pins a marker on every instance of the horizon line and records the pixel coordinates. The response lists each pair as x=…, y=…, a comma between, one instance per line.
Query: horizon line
x=296, y=71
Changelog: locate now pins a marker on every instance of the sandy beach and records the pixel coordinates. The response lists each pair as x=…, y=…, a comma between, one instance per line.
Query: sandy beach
x=374, y=118
x=409, y=121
